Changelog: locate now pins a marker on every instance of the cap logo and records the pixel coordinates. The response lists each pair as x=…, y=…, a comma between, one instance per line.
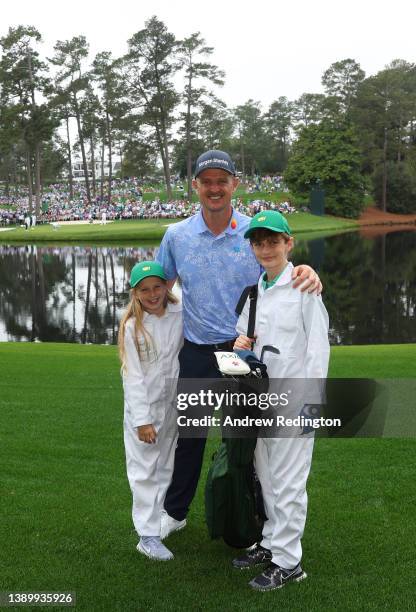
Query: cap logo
x=213, y=160
x=146, y=268
x=261, y=219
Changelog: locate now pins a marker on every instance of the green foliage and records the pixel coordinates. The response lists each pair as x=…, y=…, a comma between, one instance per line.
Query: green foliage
x=191, y=53
x=384, y=112
x=308, y=109
x=341, y=81
x=328, y=153
x=139, y=158
x=250, y=128
x=157, y=108
x=279, y=120
x=401, y=187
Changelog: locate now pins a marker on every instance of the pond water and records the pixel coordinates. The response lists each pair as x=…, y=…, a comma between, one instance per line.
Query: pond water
x=77, y=293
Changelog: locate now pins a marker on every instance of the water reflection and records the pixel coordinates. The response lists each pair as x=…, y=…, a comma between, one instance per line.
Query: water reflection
x=77, y=294
x=64, y=294
x=370, y=285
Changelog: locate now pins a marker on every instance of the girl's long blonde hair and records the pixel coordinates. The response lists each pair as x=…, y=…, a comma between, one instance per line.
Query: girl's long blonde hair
x=135, y=309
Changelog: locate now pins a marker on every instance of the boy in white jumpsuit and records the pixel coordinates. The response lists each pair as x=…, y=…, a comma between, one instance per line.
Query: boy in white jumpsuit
x=149, y=340
x=296, y=324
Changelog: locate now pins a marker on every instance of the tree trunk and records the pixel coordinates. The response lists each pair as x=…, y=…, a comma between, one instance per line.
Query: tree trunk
x=33, y=293
x=188, y=139
x=37, y=178
x=399, y=149
x=165, y=160
x=73, y=335
x=110, y=157
x=163, y=136
x=107, y=298
x=14, y=174
x=164, y=146
x=102, y=171
x=384, y=179
x=42, y=297
x=96, y=281
x=87, y=301
x=243, y=163
x=120, y=148
x=94, y=187
x=71, y=178
x=37, y=145
x=82, y=145
x=29, y=181
x=113, y=278
x=166, y=165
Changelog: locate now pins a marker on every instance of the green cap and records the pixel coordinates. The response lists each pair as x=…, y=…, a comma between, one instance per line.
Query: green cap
x=268, y=219
x=143, y=269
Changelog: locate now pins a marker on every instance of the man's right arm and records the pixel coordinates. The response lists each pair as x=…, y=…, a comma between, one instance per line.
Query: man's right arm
x=166, y=259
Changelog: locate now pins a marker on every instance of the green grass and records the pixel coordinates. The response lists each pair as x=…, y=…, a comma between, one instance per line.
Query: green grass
x=65, y=501
x=268, y=196
x=132, y=231
x=369, y=361
x=149, y=196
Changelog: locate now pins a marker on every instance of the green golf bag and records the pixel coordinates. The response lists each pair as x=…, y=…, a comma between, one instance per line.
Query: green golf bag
x=233, y=503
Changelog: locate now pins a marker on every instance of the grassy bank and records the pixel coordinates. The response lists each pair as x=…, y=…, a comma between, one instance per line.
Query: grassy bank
x=132, y=231
x=65, y=502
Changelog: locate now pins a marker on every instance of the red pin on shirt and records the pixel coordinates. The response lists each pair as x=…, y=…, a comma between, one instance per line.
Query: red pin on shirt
x=233, y=223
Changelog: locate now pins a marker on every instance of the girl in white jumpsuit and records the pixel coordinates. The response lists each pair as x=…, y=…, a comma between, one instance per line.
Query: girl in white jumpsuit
x=296, y=324
x=150, y=338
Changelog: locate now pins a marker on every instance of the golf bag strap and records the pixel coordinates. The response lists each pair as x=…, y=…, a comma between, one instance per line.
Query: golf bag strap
x=242, y=301
x=252, y=312
x=251, y=293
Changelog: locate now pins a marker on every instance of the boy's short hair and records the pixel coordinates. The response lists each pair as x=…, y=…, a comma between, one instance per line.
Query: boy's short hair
x=261, y=233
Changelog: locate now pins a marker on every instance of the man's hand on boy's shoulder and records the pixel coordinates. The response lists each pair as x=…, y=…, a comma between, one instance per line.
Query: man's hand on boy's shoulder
x=305, y=278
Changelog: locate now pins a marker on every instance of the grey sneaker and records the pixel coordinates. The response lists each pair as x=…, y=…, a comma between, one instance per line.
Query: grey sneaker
x=256, y=555
x=275, y=577
x=152, y=547
x=168, y=525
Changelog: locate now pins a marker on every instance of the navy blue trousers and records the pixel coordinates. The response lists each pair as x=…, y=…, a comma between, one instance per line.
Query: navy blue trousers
x=189, y=454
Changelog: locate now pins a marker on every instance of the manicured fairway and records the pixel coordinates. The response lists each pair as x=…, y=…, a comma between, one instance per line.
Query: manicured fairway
x=149, y=230
x=65, y=504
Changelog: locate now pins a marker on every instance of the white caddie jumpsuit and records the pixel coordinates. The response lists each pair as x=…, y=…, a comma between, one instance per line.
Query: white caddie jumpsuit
x=149, y=398
x=296, y=323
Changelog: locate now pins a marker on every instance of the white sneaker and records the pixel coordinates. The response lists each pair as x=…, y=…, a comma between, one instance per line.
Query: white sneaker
x=168, y=525
x=152, y=547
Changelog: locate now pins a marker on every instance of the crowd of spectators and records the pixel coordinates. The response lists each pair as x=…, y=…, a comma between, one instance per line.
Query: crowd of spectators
x=129, y=200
